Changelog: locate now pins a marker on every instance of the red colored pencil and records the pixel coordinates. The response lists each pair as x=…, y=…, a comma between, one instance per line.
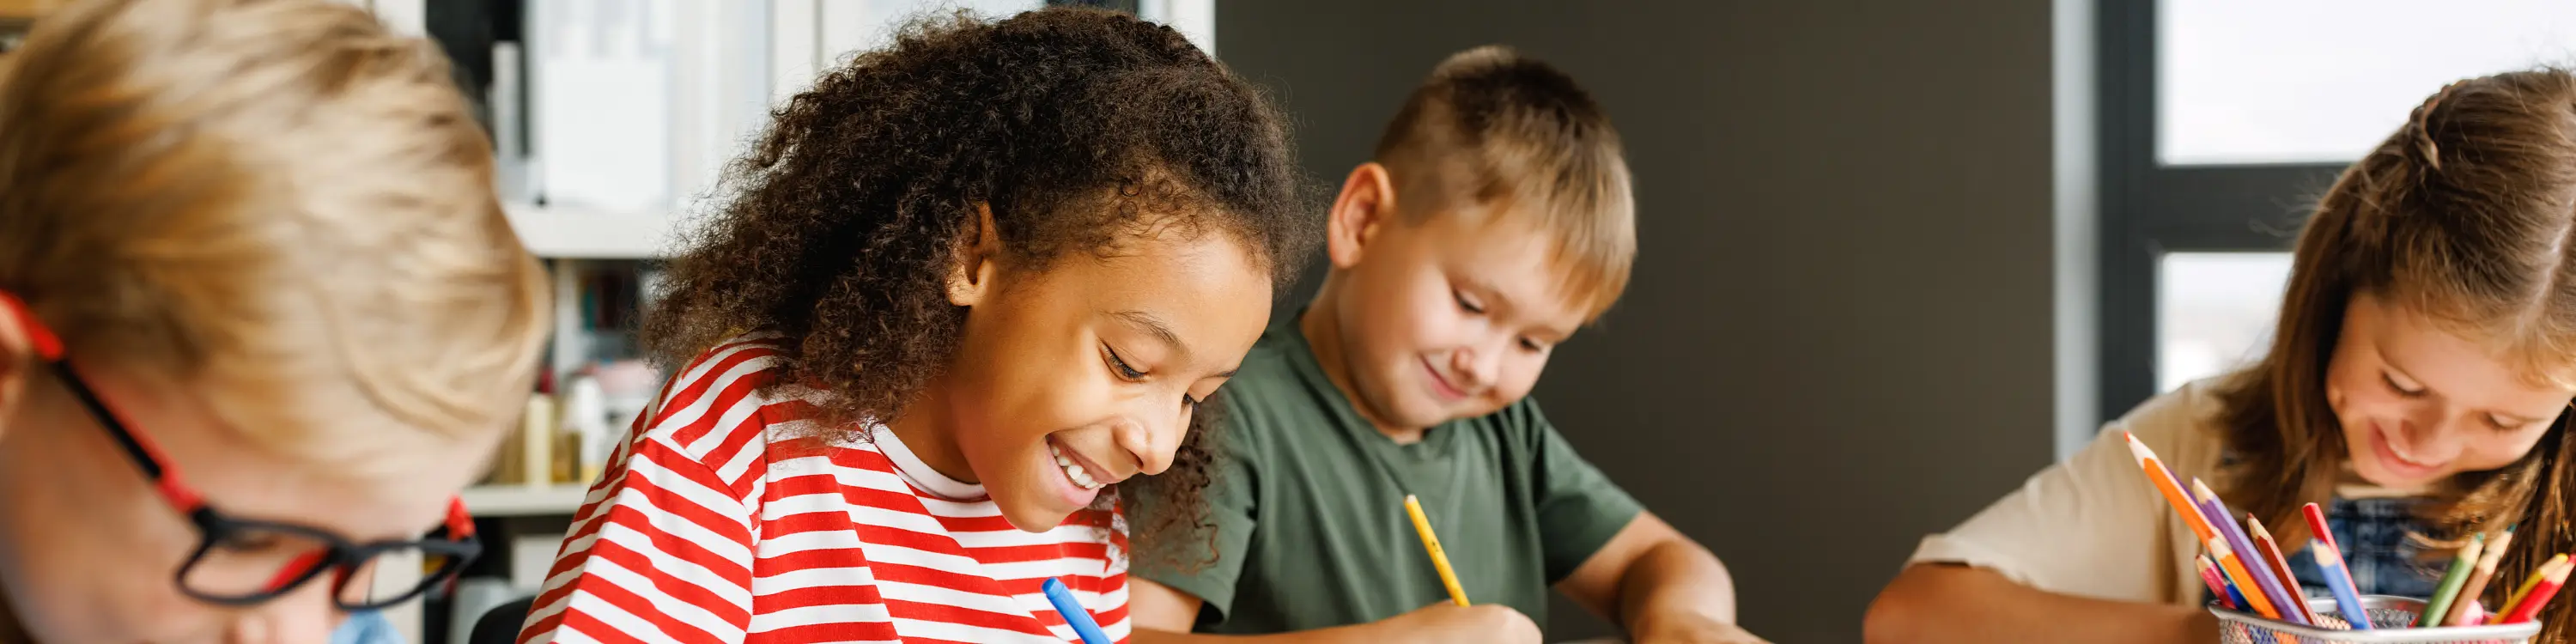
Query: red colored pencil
x=2271, y=553
x=2529, y=608
x=2317, y=524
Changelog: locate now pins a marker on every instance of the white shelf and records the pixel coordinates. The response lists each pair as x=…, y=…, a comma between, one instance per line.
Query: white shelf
x=558, y=232
x=523, y=501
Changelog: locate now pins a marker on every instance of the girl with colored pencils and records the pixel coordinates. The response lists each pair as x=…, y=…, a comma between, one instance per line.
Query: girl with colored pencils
x=2416, y=386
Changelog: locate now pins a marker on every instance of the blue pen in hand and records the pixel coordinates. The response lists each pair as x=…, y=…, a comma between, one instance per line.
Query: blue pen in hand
x=1074, y=614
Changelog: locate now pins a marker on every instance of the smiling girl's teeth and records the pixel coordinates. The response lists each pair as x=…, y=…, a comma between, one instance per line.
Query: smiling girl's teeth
x=1071, y=470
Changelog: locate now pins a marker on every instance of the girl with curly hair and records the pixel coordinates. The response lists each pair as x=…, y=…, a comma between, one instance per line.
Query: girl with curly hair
x=959, y=294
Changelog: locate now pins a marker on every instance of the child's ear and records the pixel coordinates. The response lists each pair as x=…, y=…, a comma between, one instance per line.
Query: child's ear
x=1366, y=205
x=978, y=256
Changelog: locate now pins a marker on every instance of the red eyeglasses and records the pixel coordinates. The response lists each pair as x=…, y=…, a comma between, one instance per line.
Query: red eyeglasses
x=241, y=562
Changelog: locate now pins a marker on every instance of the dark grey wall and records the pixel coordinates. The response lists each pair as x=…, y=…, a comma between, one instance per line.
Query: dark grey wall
x=1839, y=334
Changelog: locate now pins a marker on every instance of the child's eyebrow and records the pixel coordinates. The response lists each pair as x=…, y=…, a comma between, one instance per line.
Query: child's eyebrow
x=1154, y=326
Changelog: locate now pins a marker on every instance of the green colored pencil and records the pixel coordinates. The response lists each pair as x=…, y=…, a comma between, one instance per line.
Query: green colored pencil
x=2450, y=588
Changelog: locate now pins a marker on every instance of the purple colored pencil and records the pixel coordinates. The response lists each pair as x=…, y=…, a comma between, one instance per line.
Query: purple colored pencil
x=2237, y=540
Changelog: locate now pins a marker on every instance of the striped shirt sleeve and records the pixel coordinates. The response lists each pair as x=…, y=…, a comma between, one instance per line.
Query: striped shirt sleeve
x=662, y=548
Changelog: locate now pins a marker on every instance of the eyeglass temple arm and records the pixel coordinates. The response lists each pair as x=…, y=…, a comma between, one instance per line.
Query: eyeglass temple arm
x=165, y=479
x=49, y=348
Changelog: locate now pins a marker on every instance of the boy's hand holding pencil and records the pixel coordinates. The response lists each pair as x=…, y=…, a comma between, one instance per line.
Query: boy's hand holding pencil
x=1455, y=620
x=1447, y=621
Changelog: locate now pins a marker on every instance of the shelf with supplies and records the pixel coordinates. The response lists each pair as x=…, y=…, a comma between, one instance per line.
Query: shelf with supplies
x=594, y=384
x=514, y=500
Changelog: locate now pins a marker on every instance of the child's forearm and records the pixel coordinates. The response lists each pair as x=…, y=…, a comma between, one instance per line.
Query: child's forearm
x=1441, y=622
x=1941, y=604
x=1352, y=634
x=1675, y=586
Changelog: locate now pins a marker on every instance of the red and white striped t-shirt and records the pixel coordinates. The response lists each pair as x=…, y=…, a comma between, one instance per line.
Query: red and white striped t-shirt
x=712, y=525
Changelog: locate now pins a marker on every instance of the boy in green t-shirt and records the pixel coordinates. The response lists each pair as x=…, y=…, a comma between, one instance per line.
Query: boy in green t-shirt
x=1495, y=220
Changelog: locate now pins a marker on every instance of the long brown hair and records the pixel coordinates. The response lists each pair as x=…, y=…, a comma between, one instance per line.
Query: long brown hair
x=2464, y=215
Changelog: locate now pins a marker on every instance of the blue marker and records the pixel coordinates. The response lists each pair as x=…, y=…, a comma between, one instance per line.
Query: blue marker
x=1074, y=614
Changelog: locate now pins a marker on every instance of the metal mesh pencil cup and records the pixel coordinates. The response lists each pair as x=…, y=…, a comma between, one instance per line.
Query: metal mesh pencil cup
x=2387, y=615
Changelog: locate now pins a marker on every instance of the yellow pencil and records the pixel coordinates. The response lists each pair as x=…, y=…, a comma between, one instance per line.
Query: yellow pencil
x=1431, y=544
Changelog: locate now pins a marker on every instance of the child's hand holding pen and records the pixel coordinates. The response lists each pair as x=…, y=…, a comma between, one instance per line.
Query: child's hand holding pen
x=1449, y=622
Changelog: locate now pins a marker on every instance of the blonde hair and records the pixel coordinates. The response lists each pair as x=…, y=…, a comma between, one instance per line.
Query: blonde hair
x=1513, y=135
x=2465, y=215
x=277, y=197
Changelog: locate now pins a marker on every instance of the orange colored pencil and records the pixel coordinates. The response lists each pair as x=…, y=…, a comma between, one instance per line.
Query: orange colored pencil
x=2164, y=481
x=2235, y=568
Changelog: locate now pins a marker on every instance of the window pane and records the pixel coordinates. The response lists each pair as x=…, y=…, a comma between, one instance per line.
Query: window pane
x=2276, y=81
x=2214, y=312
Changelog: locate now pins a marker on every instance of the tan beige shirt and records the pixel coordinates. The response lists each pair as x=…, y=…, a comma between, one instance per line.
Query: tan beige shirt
x=2093, y=526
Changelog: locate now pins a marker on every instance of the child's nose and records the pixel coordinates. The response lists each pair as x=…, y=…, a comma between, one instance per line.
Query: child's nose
x=1150, y=446
x=1476, y=366
x=301, y=616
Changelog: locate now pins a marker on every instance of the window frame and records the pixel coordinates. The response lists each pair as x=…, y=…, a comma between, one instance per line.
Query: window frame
x=2149, y=208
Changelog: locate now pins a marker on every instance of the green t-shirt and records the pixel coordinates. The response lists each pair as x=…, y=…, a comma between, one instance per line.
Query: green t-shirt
x=1309, y=507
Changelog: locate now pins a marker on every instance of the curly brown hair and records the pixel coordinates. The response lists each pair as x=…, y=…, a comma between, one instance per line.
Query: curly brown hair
x=1077, y=127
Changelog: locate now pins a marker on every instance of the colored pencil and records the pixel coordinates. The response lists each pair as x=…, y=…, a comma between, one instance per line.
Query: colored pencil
x=2449, y=590
x=2525, y=588
x=2274, y=556
x=2164, y=481
x=2523, y=592
x=1431, y=544
x=2478, y=578
x=2227, y=561
x=2339, y=581
x=2317, y=524
x=2529, y=608
x=2217, y=586
x=2261, y=579
x=1074, y=614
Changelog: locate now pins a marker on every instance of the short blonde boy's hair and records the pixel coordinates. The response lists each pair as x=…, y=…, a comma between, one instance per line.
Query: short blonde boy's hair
x=1512, y=136
x=279, y=198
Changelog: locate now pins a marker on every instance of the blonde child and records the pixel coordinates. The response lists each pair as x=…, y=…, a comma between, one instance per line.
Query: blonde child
x=260, y=319
x=1495, y=221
